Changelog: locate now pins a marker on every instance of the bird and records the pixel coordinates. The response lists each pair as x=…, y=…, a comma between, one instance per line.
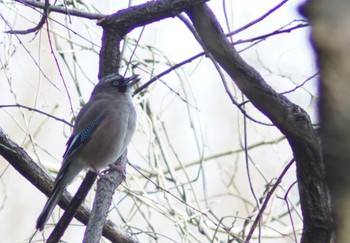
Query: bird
x=102, y=130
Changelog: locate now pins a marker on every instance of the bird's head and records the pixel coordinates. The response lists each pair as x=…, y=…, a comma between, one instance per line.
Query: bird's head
x=117, y=82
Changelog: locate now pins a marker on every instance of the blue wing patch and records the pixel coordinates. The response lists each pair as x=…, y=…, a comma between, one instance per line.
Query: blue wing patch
x=76, y=142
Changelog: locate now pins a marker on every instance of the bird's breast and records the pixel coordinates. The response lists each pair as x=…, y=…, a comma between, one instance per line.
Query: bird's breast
x=111, y=137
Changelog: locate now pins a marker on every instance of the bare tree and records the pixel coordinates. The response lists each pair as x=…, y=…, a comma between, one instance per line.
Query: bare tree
x=163, y=194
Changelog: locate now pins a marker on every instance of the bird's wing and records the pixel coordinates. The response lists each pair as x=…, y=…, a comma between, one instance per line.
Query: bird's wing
x=74, y=145
x=77, y=141
x=88, y=120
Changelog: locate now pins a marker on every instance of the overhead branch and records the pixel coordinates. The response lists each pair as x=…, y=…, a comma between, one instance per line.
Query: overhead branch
x=128, y=19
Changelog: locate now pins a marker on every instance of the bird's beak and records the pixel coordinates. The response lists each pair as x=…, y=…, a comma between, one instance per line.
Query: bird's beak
x=132, y=80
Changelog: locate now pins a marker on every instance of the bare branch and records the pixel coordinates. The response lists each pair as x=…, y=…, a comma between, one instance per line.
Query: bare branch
x=128, y=19
x=268, y=197
x=72, y=208
x=289, y=118
x=62, y=10
x=258, y=19
x=38, y=111
x=22, y=162
x=277, y=32
x=106, y=186
x=39, y=25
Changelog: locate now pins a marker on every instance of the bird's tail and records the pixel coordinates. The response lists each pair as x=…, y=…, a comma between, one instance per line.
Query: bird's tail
x=48, y=208
x=65, y=176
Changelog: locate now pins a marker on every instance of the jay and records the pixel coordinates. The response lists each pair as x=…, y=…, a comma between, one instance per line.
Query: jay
x=102, y=130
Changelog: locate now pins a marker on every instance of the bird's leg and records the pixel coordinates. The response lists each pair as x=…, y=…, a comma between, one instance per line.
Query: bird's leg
x=119, y=166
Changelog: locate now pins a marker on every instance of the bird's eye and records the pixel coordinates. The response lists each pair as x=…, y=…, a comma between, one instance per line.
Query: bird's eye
x=115, y=83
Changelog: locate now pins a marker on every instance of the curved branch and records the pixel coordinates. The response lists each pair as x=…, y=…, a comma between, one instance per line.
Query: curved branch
x=128, y=19
x=38, y=26
x=289, y=118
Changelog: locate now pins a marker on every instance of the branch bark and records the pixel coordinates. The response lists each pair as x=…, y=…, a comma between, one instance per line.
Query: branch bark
x=115, y=27
x=128, y=19
x=72, y=208
x=24, y=164
x=103, y=199
x=289, y=118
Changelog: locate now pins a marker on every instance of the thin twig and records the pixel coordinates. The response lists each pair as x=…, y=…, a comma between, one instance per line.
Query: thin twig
x=59, y=69
x=158, y=76
x=258, y=19
x=38, y=111
x=180, y=200
x=276, y=32
x=289, y=211
x=268, y=196
x=62, y=10
x=38, y=26
x=29, y=53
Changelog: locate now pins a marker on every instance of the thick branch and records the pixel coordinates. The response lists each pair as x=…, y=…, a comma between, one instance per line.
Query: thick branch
x=73, y=207
x=289, y=118
x=110, y=52
x=22, y=162
x=106, y=187
x=115, y=27
x=128, y=19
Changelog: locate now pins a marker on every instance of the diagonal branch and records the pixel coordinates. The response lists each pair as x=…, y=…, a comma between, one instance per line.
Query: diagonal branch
x=289, y=118
x=24, y=164
x=72, y=208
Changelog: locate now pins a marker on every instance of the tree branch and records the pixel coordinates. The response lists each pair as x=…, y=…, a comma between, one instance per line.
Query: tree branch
x=128, y=19
x=103, y=199
x=24, y=164
x=38, y=26
x=289, y=118
x=36, y=110
x=62, y=10
x=72, y=208
x=115, y=27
